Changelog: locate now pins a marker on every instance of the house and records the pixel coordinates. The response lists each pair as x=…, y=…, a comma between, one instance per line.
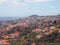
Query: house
x=4, y=42
x=36, y=30
x=53, y=28
x=7, y=36
x=58, y=30
x=46, y=28
x=1, y=43
x=49, y=32
x=13, y=35
x=39, y=36
x=33, y=43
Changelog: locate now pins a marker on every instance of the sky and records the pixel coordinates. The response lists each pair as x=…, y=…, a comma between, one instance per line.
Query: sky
x=23, y=8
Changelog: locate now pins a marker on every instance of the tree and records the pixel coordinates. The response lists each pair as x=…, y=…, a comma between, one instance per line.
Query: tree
x=58, y=26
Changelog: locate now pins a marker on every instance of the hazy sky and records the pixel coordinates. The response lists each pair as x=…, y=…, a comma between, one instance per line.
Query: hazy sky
x=21, y=8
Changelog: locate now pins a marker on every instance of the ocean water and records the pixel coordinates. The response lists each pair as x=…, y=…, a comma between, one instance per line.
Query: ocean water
x=8, y=18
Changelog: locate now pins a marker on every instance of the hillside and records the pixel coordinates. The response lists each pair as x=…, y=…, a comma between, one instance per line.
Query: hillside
x=34, y=29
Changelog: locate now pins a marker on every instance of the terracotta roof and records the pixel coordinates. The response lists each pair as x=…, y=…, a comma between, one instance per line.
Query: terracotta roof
x=7, y=36
x=15, y=34
x=49, y=32
x=4, y=42
x=46, y=29
x=37, y=29
x=33, y=43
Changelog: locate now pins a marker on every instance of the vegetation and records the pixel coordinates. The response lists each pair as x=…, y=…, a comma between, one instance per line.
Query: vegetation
x=58, y=26
x=27, y=37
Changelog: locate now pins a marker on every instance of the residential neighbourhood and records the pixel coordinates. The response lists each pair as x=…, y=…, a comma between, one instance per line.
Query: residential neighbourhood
x=32, y=30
